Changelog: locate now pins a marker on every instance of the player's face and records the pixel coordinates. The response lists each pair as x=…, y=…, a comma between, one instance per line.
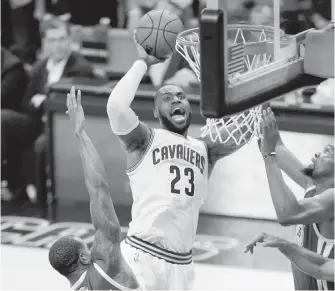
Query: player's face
x=322, y=165
x=173, y=109
x=57, y=43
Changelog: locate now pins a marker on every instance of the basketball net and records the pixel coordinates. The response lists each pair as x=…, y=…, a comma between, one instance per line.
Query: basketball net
x=244, y=126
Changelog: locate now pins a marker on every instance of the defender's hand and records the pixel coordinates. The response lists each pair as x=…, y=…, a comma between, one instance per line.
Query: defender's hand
x=75, y=111
x=266, y=239
x=270, y=133
x=143, y=55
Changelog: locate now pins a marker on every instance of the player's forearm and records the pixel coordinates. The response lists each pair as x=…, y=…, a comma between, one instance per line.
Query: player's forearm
x=94, y=169
x=284, y=201
x=290, y=164
x=305, y=260
x=125, y=90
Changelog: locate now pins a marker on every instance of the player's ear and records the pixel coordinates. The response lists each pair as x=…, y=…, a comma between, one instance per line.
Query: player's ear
x=156, y=113
x=85, y=259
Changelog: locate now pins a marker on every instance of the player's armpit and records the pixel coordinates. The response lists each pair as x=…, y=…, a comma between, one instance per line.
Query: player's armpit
x=315, y=209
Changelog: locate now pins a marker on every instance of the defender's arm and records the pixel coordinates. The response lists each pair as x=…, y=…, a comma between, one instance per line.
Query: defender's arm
x=106, y=244
x=289, y=210
x=305, y=260
x=313, y=264
x=104, y=219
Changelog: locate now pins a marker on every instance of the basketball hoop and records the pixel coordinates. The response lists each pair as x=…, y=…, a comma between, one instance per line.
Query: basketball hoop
x=250, y=49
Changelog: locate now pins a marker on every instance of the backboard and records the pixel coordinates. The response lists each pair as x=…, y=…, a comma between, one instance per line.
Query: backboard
x=242, y=57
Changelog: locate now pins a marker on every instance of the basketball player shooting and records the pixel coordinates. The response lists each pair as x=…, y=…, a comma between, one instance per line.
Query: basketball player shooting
x=313, y=215
x=308, y=262
x=102, y=268
x=168, y=172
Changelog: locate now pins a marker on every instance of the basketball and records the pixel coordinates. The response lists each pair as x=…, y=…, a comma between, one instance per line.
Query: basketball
x=157, y=32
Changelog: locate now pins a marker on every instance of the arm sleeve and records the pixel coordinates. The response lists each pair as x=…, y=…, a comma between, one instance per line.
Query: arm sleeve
x=121, y=117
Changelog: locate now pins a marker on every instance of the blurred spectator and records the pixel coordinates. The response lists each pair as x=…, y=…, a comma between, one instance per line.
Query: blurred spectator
x=26, y=39
x=14, y=81
x=309, y=14
x=182, y=8
x=325, y=93
x=19, y=130
x=59, y=61
x=320, y=95
x=261, y=15
x=6, y=24
x=85, y=12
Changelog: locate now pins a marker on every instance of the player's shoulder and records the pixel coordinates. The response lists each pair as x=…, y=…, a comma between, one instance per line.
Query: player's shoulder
x=201, y=141
x=98, y=277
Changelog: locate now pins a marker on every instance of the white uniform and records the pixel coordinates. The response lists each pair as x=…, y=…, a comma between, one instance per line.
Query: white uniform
x=169, y=185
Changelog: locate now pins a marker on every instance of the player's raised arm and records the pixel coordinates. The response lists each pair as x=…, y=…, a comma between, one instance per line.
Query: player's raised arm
x=291, y=165
x=134, y=135
x=310, y=263
x=104, y=219
x=289, y=210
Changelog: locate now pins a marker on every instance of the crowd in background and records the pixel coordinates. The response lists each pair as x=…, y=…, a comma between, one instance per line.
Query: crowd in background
x=37, y=38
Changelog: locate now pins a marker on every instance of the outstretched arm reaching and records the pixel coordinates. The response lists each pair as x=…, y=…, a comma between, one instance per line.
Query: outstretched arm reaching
x=104, y=219
x=289, y=210
x=305, y=260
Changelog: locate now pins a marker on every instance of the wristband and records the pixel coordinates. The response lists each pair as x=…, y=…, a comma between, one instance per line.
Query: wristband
x=269, y=155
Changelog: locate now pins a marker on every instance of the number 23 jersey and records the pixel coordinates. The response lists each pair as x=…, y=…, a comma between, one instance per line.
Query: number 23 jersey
x=169, y=185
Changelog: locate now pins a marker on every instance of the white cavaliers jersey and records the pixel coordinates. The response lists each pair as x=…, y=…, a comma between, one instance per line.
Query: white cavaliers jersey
x=169, y=185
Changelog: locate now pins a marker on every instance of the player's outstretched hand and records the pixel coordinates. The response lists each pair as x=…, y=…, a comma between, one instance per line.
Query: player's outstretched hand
x=266, y=239
x=75, y=111
x=270, y=133
x=143, y=55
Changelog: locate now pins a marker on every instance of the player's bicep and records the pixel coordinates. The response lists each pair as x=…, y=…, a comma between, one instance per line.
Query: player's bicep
x=136, y=140
x=220, y=148
x=122, y=120
x=316, y=209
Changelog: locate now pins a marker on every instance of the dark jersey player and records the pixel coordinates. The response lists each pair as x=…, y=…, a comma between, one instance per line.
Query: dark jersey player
x=310, y=263
x=313, y=215
x=102, y=268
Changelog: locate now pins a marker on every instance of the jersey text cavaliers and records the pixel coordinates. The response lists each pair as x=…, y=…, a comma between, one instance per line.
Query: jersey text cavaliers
x=179, y=152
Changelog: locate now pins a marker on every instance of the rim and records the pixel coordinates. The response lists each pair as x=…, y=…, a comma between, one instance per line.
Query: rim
x=230, y=27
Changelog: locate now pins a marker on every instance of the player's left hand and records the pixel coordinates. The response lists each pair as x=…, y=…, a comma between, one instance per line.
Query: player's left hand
x=75, y=111
x=269, y=131
x=266, y=239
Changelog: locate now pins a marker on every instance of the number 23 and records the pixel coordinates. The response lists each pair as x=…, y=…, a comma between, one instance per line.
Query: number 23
x=188, y=172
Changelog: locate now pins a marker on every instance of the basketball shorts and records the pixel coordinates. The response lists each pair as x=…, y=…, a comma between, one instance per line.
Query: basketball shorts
x=156, y=268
